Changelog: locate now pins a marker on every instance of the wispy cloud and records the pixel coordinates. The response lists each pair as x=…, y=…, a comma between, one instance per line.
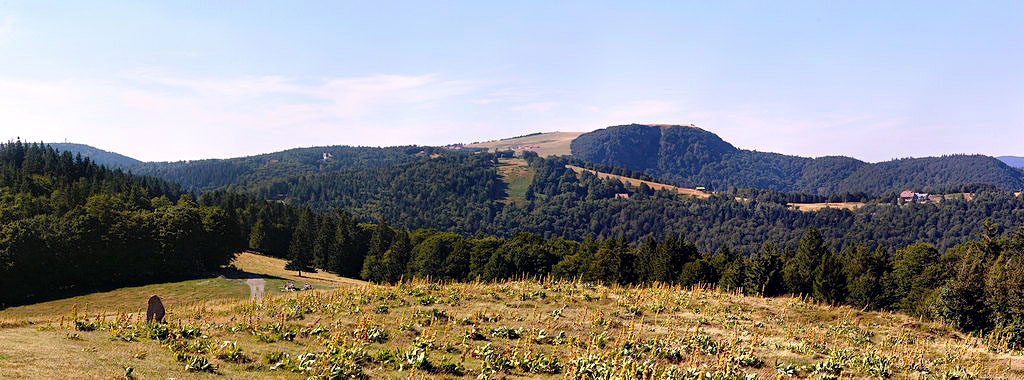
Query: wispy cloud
x=202, y=115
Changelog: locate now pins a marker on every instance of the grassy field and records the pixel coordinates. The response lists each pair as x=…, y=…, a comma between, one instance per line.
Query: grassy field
x=808, y=207
x=545, y=144
x=518, y=175
x=521, y=329
x=637, y=182
x=198, y=293
x=271, y=266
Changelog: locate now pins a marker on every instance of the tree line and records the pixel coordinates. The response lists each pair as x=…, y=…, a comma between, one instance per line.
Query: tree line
x=69, y=226
x=977, y=286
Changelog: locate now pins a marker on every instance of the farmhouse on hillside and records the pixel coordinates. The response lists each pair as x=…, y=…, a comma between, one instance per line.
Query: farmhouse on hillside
x=622, y=196
x=908, y=196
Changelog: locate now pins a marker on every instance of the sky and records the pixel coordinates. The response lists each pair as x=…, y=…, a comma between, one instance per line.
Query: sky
x=154, y=80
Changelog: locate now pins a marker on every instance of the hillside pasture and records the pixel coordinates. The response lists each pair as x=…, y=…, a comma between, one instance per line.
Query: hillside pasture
x=545, y=144
x=518, y=176
x=810, y=207
x=638, y=182
x=189, y=294
x=518, y=329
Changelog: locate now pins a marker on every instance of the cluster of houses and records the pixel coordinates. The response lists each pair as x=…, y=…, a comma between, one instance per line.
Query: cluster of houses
x=908, y=196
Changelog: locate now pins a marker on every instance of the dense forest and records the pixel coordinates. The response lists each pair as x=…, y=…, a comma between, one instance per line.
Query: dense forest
x=69, y=226
x=209, y=174
x=463, y=194
x=690, y=157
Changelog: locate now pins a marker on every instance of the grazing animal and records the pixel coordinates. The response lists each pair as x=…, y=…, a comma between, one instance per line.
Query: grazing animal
x=155, y=311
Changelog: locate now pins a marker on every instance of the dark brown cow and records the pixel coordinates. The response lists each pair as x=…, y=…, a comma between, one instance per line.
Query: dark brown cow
x=155, y=312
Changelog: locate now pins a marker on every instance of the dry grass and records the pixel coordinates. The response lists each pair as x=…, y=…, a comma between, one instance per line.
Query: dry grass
x=272, y=266
x=810, y=207
x=205, y=292
x=637, y=182
x=520, y=329
x=547, y=144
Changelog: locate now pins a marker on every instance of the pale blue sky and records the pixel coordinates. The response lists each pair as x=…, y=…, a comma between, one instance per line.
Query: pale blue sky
x=184, y=80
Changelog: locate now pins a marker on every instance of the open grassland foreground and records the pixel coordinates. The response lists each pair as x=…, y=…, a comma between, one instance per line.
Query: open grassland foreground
x=520, y=329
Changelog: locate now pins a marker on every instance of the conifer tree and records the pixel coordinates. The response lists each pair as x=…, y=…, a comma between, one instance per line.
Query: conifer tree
x=799, y=271
x=258, y=237
x=397, y=257
x=300, y=250
x=865, y=270
x=323, y=243
x=830, y=280
x=764, y=272
x=961, y=301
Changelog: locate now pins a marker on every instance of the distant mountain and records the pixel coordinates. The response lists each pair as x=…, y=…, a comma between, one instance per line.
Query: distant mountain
x=1017, y=162
x=99, y=156
x=690, y=156
x=215, y=173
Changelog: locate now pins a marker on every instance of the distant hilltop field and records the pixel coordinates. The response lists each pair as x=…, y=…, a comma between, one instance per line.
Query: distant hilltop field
x=545, y=144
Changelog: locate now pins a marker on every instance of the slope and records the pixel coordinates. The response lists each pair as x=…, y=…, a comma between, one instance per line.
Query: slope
x=691, y=157
x=545, y=144
x=99, y=156
x=512, y=329
x=1014, y=161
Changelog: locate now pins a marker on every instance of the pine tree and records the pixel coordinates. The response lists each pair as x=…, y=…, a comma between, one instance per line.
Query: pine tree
x=733, y=276
x=323, y=243
x=799, y=271
x=300, y=250
x=647, y=267
x=764, y=272
x=342, y=261
x=397, y=257
x=865, y=269
x=830, y=280
x=258, y=237
x=607, y=263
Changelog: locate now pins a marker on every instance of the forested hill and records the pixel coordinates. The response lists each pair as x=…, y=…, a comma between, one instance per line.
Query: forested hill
x=215, y=173
x=98, y=156
x=1017, y=162
x=690, y=157
x=70, y=226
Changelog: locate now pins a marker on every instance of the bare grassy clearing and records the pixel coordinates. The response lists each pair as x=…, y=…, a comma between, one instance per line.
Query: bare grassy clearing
x=518, y=175
x=545, y=144
x=808, y=207
x=637, y=182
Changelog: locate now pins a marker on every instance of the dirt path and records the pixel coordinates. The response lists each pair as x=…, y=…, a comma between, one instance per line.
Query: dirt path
x=256, y=286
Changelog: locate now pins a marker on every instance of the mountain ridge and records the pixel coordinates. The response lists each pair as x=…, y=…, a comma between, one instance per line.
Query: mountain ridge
x=1014, y=161
x=681, y=154
x=691, y=156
